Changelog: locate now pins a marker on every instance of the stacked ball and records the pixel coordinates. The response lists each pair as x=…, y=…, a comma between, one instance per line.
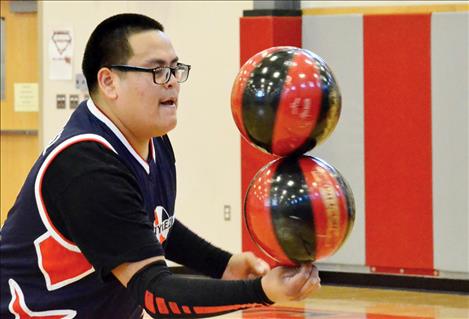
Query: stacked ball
x=285, y=101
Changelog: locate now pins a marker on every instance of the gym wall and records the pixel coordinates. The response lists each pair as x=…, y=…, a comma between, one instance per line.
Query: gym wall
x=402, y=140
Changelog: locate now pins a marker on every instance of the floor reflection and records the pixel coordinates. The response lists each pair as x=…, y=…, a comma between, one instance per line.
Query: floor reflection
x=364, y=303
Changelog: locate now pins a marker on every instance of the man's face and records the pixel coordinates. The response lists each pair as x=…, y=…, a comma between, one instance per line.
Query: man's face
x=144, y=108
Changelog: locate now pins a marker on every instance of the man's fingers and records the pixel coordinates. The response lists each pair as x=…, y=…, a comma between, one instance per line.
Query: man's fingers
x=258, y=266
x=309, y=289
x=304, y=283
x=298, y=281
x=262, y=267
x=312, y=285
x=291, y=283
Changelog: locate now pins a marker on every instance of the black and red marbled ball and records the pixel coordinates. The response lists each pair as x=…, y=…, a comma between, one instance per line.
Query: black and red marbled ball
x=285, y=100
x=299, y=209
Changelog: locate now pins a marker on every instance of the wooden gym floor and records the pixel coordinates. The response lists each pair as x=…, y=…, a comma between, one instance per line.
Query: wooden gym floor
x=347, y=303
x=354, y=303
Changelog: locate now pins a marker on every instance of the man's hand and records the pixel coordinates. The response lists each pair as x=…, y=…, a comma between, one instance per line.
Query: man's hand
x=245, y=266
x=291, y=283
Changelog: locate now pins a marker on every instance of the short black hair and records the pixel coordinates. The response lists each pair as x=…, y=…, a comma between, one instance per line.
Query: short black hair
x=108, y=44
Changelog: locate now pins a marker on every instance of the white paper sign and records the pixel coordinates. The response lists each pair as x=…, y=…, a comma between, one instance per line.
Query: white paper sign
x=60, y=54
x=26, y=97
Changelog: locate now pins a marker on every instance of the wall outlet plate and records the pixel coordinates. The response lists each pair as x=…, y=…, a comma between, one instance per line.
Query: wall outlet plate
x=61, y=101
x=227, y=212
x=73, y=101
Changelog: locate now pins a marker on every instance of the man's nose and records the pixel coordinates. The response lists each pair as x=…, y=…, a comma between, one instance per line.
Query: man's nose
x=172, y=79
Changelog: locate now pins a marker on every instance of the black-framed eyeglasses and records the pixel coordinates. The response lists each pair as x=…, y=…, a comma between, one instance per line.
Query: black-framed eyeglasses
x=161, y=74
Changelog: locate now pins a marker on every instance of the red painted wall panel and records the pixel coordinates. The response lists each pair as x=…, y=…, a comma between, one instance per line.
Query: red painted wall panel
x=398, y=160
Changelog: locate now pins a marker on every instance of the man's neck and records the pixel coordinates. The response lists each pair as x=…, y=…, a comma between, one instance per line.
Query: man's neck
x=141, y=146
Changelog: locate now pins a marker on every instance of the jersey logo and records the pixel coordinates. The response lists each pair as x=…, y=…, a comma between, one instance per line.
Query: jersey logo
x=19, y=308
x=60, y=265
x=162, y=224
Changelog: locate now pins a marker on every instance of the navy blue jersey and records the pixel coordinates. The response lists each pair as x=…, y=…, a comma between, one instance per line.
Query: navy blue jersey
x=46, y=271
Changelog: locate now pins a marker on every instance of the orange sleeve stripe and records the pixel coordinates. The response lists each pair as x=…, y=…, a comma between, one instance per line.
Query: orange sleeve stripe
x=163, y=309
x=149, y=305
x=216, y=309
x=174, y=307
x=160, y=303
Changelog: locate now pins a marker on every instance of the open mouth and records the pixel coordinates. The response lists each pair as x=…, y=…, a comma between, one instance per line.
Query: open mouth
x=168, y=102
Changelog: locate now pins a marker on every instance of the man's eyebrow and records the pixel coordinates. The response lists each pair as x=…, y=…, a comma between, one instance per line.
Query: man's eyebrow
x=161, y=62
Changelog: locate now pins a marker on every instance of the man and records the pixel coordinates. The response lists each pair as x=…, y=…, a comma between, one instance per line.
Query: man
x=92, y=226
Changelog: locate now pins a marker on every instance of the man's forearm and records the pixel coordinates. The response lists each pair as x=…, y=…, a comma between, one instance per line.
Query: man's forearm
x=187, y=248
x=165, y=295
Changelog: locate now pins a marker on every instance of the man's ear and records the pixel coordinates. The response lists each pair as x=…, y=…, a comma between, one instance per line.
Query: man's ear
x=108, y=82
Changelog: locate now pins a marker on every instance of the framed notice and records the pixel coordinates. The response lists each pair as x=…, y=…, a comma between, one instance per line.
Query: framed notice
x=26, y=97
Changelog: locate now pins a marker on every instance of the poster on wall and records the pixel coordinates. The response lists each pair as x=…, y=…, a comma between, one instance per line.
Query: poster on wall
x=60, y=54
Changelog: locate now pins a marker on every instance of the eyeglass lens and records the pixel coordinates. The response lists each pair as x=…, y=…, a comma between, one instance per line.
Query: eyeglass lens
x=163, y=74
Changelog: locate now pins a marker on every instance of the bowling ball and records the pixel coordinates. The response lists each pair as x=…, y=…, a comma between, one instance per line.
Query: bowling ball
x=299, y=209
x=285, y=100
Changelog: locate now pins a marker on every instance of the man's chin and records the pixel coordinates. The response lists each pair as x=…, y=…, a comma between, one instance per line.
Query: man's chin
x=165, y=130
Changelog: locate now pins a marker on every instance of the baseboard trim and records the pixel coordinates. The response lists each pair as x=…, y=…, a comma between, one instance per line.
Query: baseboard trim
x=395, y=282
x=384, y=281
